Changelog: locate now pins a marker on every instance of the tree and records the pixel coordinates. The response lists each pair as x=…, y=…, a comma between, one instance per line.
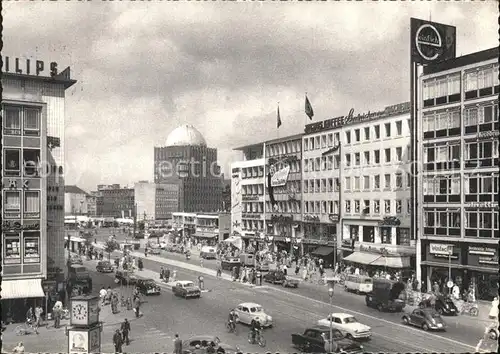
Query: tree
x=110, y=247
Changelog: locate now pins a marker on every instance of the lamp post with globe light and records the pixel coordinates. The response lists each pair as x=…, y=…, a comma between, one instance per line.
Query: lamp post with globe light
x=330, y=294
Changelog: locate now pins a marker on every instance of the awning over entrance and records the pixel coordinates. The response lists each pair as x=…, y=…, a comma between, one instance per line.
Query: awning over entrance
x=392, y=262
x=362, y=257
x=205, y=235
x=323, y=251
x=22, y=288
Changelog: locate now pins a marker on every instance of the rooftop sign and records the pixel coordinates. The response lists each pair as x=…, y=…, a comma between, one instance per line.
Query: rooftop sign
x=350, y=119
x=27, y=66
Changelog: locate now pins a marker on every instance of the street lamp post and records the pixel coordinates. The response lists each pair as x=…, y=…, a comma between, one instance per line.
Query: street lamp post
x=330, y=345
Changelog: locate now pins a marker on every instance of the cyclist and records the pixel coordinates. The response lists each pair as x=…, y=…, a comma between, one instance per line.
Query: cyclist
x=232, y=319
x=255, y=328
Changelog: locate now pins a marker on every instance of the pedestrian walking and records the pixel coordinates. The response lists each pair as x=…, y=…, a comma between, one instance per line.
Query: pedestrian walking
x=118, y=341
x=162, y=271
x=137, y=305
x=57, y=311
x=38, y=317
x=201, y=262
x=125, y=328
x=219, y=268
x=166, y=275
x=177, y=345
x=19, y=348
x=174, y=275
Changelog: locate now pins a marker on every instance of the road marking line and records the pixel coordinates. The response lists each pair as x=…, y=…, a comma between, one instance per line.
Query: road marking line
x=372, y=317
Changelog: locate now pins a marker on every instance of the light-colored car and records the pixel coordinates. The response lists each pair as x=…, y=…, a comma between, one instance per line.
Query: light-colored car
x=208, y=252
x=348, y=325
x=185, y=289
x=248, y=311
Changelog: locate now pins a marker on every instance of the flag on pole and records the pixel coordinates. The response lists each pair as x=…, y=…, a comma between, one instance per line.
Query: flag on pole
x=278, y=123
x=309, y=109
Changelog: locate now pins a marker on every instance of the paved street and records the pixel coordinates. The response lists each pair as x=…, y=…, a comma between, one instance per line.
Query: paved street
x=293, y=310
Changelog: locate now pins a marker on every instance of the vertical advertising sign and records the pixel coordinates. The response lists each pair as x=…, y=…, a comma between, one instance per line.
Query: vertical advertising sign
x=432, y=42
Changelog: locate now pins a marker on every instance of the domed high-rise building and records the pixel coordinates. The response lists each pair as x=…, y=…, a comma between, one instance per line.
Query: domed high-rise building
x=188, y=161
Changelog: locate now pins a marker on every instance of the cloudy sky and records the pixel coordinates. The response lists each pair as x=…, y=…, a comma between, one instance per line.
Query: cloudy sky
x=144, y=68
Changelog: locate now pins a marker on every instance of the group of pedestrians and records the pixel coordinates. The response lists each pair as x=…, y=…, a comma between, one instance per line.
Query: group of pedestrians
x=121, y=336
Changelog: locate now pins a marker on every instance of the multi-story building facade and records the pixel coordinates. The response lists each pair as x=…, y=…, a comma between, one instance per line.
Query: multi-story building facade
x=116, y=202
x=284, y=219
x=247, y=194
x=356, y=186
x=32, y=183
x=208, y=228
x=226, y=195
x=75, y=201
x=458, y=178
x=156, y=201
x=91, y=201
x=187, y=161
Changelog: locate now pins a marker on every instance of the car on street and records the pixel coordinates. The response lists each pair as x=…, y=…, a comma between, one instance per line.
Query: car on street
x=426, y=319
x=278, y=277
x=185, y=289
x=125, y=277
x=203, y=341
x=317, y=340
x=229, y=262
x=348, y=325
x=442, y=304
x=156, y=250
x=208, y=252
x=386, y=295
x=76, y=259
x=246, y=312
x=148, y=287
x=104, y=267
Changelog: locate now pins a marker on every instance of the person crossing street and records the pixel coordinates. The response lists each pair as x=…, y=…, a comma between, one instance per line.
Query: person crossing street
x=118, y=341
x=125, y=328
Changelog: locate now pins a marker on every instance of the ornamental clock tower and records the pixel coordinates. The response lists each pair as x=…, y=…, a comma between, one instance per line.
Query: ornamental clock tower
x=84, y=336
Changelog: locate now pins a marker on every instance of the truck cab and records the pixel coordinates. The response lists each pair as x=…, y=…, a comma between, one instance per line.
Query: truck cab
x=79, y=275
x=387, y=295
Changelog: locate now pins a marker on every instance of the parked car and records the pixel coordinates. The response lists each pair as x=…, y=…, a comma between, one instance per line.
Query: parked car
x=248, y=311
x=189, y=345
x=185, y=289
x=125, y=277
x=442, y=304
x=358, y=284
x=104, y=267
x=208, y=252
x=317, y=340
x=426, y=319
x=348, y=325
x=148, y=287
x=278, y=277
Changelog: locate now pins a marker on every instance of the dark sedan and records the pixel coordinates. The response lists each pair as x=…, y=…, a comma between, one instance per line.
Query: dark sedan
x=125, y=278
x=229, y=263
x=278, y=277
x=104, y=267
x=442, y=304
x=189, y=346
x=426, y=319
x=148, y=287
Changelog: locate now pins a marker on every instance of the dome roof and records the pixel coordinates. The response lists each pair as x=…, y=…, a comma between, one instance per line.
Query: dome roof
x=185, y=135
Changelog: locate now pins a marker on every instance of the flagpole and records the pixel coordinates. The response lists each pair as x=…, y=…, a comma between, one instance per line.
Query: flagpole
x=265, y=179
x=278, y=128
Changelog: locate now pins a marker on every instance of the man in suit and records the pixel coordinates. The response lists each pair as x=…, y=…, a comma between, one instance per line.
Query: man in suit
x=177, y=345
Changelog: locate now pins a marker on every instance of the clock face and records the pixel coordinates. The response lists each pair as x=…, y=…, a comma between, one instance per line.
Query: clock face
x=79, y=312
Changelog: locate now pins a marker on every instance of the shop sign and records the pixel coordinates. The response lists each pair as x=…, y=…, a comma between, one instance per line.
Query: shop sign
x=250, y=197
x=482, y=205
x=334, y=217
x=488, y=134
x=250, y=216
x=493, y=260
x=487, y=251
x=49, y=286
x=282, y=219
x=440, y=249
x=16, y=226
x=35, y=67
x=311, y=218
x=12, y=183
x=390, y=221
x=280, y=177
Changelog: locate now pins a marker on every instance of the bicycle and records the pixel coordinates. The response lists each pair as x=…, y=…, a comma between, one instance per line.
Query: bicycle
x=24, y=329
x=231, y=327
x=259, y=339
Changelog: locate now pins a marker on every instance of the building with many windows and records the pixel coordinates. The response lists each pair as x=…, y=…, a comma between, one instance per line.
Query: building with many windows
x=115, y=201
x=186, y=160
x=458, y=177
x=356, y=186
x=206, y=228
x=32, y=185
x=75, y=201
x=156, y=201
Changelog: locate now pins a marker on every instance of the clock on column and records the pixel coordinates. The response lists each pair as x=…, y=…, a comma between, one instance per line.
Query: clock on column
x=84, y=310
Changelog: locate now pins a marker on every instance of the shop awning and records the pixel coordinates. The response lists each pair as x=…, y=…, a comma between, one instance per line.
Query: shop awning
x=22, y=288
x=323, y=251
x=362, y=257
x=392, y=262
x=205, y=235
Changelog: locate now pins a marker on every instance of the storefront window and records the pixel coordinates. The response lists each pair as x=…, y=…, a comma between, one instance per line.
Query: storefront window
x=368, y=234
x=12, y=250
x=354, y=232
x=31, y=247
x=403, y=236
x=385, y=235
